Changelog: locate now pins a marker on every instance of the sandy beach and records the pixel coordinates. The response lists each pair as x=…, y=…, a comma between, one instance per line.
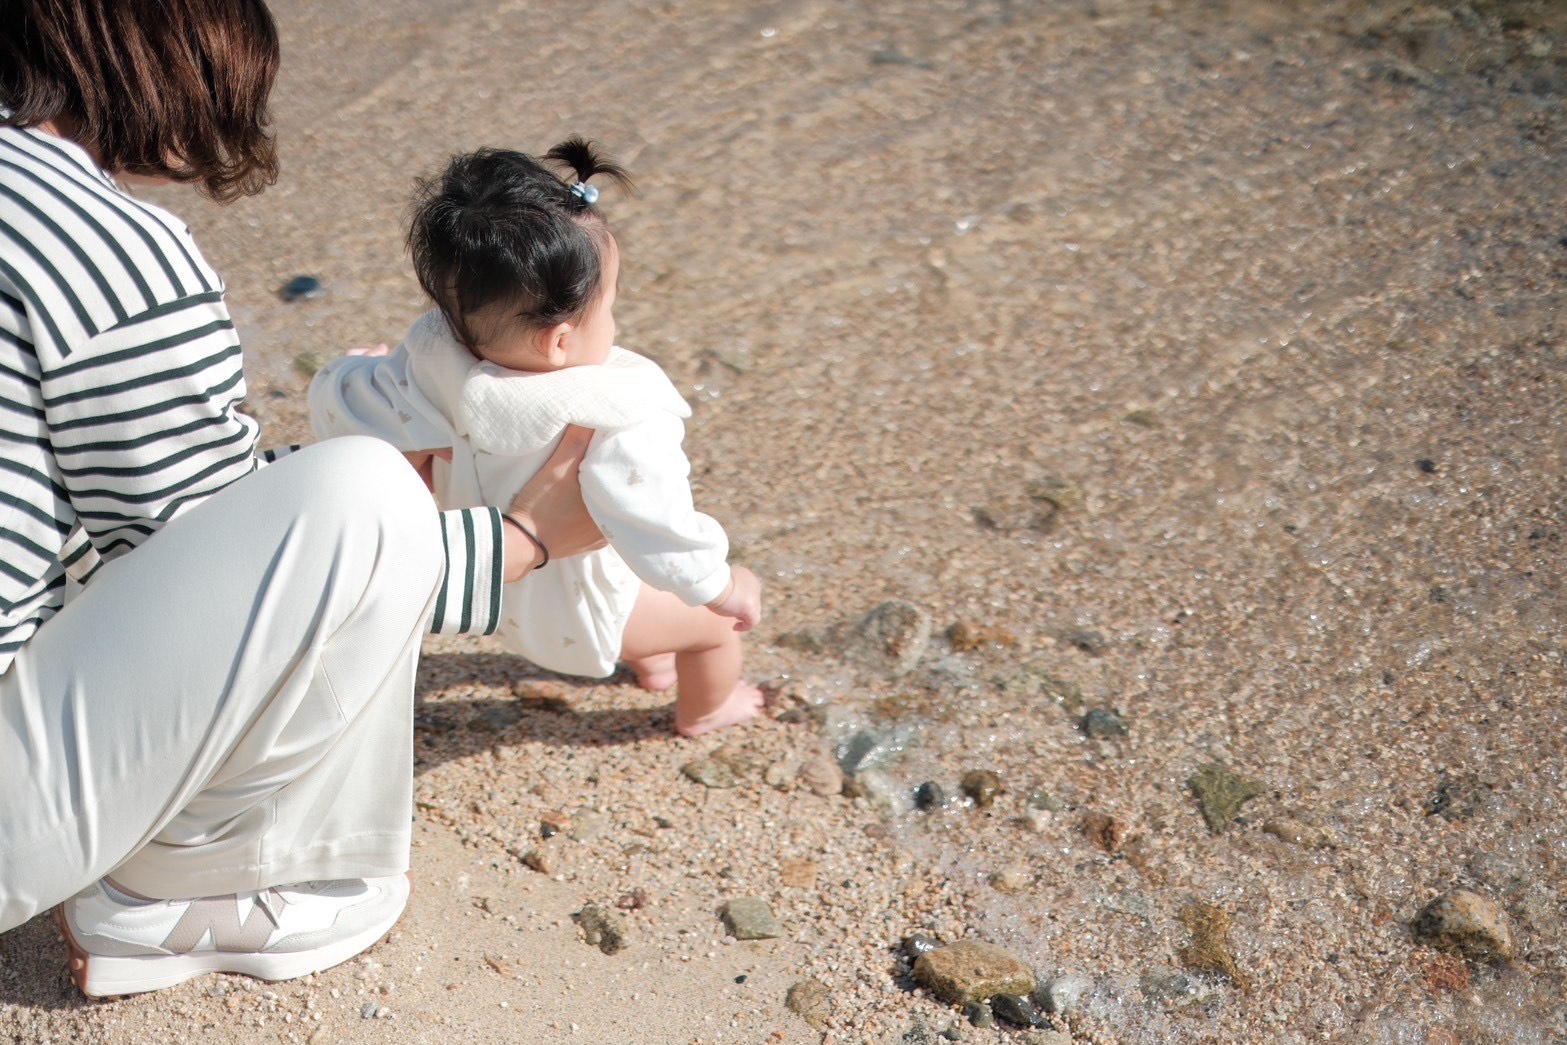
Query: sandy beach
x=1177, y=389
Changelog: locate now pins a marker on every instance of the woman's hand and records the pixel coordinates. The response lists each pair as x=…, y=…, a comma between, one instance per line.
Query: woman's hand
x=550, y=507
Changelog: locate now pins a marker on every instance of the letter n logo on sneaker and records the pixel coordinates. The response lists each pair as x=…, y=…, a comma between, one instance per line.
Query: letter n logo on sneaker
x=220, y=916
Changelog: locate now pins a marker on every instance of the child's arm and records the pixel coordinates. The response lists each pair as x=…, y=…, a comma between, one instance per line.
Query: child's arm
x=634, y=482
x=742, y=600
x=376, y=395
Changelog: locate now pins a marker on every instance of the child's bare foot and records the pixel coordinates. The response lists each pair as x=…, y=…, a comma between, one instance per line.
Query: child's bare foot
x=656, y=673
x=742, y=705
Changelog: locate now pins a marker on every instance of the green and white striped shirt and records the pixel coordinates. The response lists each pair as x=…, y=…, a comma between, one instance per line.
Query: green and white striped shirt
x=120, y=379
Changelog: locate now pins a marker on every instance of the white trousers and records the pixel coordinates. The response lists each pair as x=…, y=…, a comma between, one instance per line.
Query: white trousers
x=230, y=705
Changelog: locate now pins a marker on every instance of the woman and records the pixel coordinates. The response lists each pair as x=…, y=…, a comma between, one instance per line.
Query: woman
x=207, y=754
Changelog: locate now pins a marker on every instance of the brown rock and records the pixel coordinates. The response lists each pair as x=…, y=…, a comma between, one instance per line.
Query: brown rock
x=969, y=971
x=798, y=874
x=1109, y=833
x=1210, y=947
x=821, y=776
x=1468, y=925
x=812, y=1000
x=983, y=785
x=966, y=636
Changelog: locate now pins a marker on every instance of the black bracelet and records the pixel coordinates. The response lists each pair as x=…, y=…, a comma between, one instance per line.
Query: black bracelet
x=536, y=542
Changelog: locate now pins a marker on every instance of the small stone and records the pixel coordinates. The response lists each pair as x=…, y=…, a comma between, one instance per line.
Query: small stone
x=929, y=795
x=798, y=874
x=983, y=785
x=1102, y=723
x=710, y=772
x=916, y=944
x=585, y=827
x=868, y=749
x=966, y=636
x=1466, y=924
x=602, y=928
x=979, y=1015
x=1064, y=994
x=307, y=364
x=543, y=858
x=301, y=288
x=1220, y=794
x=1011, y=880
x=779, y=775
x=1296, y=833
x=822, y=776
x=812, y=1001
x=969, y=971
x=1045, y=801
x=1210, y=947
x=1109, y=833
x=1047, y=1037
x=892, y=638
x=1459, y=798
x=1142, y=418
x=1089, y=641
x=880, y=791
x=553, y=822
x=368, y=1011
x=633, y=899
x=1015, y=1009
x=750, y=918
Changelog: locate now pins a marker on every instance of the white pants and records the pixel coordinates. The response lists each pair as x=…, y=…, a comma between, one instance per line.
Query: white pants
x=229, y=706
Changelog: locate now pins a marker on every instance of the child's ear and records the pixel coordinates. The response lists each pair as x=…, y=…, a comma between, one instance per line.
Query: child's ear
x=552, y=343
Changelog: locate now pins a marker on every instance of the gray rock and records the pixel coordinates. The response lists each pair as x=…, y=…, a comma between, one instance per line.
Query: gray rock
x=916, y=944
x=881, y=792
x=979, y=1015
x=750, y=918
x=368, y=1011
x=969, y=970
x=821, y=776
x=1015, y=1009
x=868, y=749
x=710, y=772
x=891, y=639
x=1220, y=794
x=1468, y=925
x=301, y=288
x=929, y=795
x=602, y=928
x=1102, y=723
x=812, y=1001
x=1064, y=994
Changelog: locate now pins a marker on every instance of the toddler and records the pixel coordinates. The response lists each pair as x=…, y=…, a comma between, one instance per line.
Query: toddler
x=522, y=270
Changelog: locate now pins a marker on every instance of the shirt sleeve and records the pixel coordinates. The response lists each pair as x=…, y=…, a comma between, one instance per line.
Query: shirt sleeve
x=469, y=600
x=143, y=420
x=635, y=483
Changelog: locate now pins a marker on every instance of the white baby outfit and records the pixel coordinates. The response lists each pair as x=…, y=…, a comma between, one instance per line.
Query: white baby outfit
x=502, y=426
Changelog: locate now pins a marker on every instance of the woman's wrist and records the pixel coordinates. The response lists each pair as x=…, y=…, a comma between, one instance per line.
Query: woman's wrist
x=522, y=550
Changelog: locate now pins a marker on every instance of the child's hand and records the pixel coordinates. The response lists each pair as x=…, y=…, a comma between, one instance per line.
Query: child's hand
x=742, y=600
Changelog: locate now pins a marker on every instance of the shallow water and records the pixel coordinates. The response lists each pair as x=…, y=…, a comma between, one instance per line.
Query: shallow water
x=1279, y=301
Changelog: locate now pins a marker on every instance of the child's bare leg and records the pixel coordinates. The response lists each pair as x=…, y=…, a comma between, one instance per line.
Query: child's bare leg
x=656, y=673
x=706, y=650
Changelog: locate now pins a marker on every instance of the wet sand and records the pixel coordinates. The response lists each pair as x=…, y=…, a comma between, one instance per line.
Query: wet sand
x=1267, y=303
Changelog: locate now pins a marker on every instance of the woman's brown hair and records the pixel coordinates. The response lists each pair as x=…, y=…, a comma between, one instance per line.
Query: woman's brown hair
x=163, y=88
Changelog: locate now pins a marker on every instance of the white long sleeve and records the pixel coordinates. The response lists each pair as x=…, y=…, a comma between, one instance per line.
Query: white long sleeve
x=635, y=483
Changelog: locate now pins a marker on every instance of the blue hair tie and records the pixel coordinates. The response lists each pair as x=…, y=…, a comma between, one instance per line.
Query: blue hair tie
x=589, y=194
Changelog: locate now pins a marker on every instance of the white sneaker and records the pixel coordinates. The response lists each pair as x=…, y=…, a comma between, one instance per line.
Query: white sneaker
x=121, y=944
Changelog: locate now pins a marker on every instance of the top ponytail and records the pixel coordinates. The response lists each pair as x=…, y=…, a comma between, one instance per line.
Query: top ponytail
x=582, y=158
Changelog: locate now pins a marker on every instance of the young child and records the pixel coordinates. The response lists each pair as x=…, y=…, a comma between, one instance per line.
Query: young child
x=523, y=272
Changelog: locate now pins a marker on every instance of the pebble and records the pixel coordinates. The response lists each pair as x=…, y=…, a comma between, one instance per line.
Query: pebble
x=543, y=858
x=1089, y=641
x=892, y=638
x=586, y=827
x=1220, y=794
x=821, y=775
x=798, y=874
x=1102, y=723
x=710, y=772
x=750, y=918
x=368, y=1011
x=301, y=288
x=983, y=785
x=979, y=1014
x=929, y=795
x=881, y=792
x=1466, y=924
x=602, y=928
x=1064, y=994
x=1296, y=833
x=972, y=971
x=868, y=749
x=966, y=636
x=1210, y=950
x=812, y=1001
x=1015, y=1009
x=916, y=944
x=1109, y=833
x=1011, y=880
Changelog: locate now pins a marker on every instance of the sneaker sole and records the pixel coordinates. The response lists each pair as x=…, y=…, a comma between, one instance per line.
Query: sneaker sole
x=100, y=976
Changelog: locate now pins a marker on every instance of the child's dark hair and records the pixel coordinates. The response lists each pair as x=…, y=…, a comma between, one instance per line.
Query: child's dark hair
x=497, y=227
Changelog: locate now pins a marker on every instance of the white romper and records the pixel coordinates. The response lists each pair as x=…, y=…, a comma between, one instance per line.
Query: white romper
x=502, y=425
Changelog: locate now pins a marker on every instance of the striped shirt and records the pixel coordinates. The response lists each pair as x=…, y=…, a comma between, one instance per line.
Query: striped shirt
x=120, y=382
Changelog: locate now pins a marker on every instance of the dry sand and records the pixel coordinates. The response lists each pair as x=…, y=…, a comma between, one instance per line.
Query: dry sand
x=1270, y=299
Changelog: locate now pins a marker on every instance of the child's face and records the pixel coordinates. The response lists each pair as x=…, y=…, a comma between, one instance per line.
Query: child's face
x=584, y=343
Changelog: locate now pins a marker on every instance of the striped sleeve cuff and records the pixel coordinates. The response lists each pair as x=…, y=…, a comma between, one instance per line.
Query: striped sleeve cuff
x=470, y=597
